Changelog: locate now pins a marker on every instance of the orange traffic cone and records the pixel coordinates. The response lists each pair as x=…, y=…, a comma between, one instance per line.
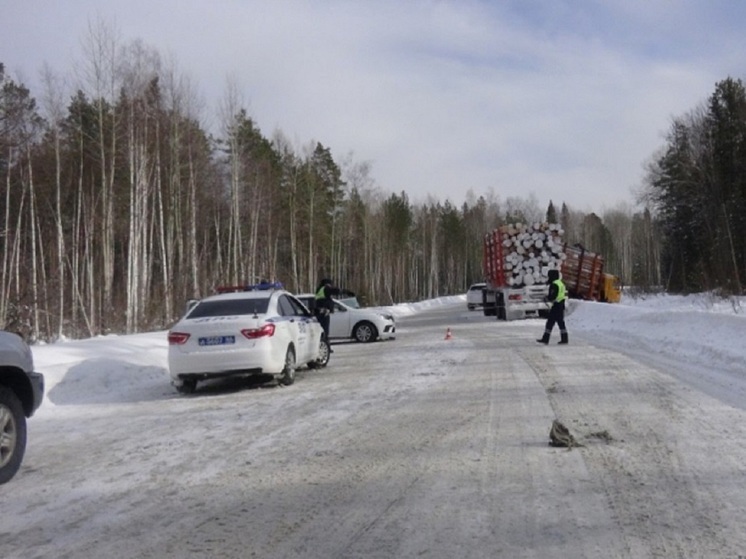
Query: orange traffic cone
x=448, y=334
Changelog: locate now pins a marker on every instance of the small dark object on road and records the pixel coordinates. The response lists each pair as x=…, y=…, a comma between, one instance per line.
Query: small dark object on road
x=561, y=436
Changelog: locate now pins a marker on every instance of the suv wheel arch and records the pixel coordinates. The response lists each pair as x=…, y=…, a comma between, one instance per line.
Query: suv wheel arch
x=12, y=434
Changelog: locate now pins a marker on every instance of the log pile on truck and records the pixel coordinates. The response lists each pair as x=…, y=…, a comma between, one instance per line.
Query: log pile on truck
x=518, y=255
x=584, y=276
x=517, y=260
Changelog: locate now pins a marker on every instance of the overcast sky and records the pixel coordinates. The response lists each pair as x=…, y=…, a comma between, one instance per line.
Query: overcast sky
x=563, y=99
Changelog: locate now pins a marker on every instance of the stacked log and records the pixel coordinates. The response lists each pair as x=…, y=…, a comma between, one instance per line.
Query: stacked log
x=529, y=251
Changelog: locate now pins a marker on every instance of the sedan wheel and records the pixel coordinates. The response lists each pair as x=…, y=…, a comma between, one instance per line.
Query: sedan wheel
x=365, y=332
x=288, y=373
x=12, y=434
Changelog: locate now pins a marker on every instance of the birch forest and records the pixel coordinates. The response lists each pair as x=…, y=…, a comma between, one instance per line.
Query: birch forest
x=119, y=204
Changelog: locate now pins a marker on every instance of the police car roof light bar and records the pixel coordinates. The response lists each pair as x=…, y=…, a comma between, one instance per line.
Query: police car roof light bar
x=261, y=286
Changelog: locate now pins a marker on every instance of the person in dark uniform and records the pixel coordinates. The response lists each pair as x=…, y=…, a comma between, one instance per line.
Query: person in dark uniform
x=557, y=296
x=324, y=304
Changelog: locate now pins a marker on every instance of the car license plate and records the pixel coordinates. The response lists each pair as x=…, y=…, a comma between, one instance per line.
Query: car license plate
x=217, y=340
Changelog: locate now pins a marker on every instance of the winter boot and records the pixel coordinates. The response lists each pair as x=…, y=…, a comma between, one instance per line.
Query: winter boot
x=545, y=338
x=563, y=338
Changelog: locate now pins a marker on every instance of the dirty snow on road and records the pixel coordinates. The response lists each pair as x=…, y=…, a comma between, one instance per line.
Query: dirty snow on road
x=419, y=447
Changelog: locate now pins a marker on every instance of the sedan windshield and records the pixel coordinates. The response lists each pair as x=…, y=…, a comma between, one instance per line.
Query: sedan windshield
x=351, y=302
x=229, y=307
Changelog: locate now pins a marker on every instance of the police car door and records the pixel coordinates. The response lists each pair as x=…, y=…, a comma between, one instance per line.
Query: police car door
x=304, y=344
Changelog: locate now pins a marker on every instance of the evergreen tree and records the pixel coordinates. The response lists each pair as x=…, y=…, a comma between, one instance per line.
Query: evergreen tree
x=551, y=213
x=726, y=202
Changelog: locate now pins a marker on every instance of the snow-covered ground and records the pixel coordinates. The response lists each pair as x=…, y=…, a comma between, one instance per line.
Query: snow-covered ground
x=417, y=447
x=699, y=339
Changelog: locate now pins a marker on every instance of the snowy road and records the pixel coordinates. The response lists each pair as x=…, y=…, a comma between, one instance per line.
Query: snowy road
x=420, y=447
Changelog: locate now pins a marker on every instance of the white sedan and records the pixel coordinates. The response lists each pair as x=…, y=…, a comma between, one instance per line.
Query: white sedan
x=245, y=333
x=352, y=322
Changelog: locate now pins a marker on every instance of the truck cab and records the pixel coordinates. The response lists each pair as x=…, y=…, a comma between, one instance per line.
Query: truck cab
x=611, y=289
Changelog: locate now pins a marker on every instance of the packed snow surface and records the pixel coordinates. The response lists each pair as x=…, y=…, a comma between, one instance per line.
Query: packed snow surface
x=419, y=447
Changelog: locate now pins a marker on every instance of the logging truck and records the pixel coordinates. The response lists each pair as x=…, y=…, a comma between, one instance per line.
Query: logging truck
x=517, y=259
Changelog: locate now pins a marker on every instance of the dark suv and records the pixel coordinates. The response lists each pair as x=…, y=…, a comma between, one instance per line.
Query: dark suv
x=21, y=393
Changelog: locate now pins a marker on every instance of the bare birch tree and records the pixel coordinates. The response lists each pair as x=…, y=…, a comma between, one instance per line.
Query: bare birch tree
x=141, y=98
x=230, y=112
x=101, y=71
x=53, y=105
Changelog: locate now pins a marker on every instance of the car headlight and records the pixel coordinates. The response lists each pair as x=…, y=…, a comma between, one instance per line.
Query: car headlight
x=388, y=316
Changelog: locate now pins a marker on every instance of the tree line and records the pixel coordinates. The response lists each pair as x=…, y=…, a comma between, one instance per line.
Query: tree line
x=118, y=205
x=697, y=185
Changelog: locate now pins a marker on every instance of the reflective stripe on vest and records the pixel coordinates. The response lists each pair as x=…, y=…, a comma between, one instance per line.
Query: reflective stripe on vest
x=320, y=293
x=561, y=291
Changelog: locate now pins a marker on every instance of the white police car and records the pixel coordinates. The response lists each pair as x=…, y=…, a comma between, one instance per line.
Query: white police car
x=244, y=331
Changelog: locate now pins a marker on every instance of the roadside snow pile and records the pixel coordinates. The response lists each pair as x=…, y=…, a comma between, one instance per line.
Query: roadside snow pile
x=408, y=309
x=697, y=329
x=104, y=370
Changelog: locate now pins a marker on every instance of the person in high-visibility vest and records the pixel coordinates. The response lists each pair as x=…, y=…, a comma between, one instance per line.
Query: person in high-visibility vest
x=323, y=305
x=557, y=296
